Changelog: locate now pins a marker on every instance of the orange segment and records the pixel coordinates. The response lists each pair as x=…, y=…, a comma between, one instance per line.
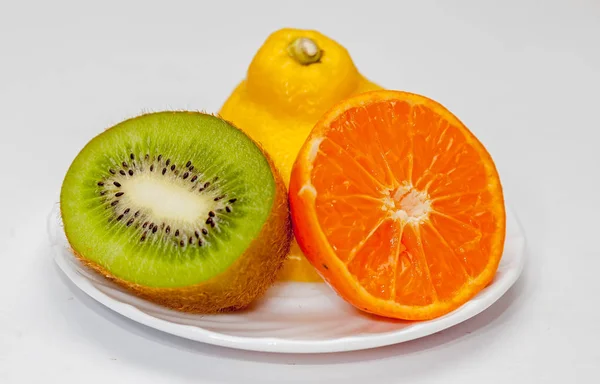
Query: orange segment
x=398, y=154
x=446, y=267
x=346, y=132
x=398, y=206
x=340, y=173
x=413, y=283
x=466, y=241
x=373, y=259
x=346, y=221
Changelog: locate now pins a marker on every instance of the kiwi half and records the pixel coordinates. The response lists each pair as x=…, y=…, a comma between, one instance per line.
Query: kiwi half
x=181, y=208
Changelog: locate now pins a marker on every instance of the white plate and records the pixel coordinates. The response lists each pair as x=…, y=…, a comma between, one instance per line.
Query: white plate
x=293, y=317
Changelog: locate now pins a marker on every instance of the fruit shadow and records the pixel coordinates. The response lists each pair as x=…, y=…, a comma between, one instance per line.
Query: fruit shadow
x=496, y=313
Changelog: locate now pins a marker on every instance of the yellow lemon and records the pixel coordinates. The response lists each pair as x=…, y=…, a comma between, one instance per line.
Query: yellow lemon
x=292, y=80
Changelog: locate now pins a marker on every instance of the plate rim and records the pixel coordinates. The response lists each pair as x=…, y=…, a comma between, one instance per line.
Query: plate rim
x=283, y=345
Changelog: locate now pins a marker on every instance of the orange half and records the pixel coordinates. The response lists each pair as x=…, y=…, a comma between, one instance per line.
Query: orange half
x=398, y=206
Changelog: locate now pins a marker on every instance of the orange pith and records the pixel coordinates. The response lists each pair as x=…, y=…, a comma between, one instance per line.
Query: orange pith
x=398, y=206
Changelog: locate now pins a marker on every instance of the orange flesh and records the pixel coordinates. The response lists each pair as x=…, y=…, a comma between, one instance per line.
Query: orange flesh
x=407, y=200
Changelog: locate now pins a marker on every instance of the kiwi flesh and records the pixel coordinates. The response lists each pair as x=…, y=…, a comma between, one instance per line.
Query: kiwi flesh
x=180, y=208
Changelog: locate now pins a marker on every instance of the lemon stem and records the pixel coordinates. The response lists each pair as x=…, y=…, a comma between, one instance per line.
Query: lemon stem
x=305, y=51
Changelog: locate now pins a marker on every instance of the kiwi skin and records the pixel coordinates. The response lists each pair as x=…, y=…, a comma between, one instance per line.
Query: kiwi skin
x=247, y=279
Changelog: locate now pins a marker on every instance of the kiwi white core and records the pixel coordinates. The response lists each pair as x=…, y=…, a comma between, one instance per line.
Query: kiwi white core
x=166, y=200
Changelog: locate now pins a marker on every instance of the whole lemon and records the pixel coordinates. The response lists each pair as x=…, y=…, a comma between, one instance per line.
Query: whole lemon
x=292, y=80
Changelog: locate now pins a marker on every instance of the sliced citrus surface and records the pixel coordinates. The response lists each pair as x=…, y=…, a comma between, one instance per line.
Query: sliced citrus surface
x=398, y=206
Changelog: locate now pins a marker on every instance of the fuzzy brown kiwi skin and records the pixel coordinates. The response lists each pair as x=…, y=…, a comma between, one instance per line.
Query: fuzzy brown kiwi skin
x=247, y=279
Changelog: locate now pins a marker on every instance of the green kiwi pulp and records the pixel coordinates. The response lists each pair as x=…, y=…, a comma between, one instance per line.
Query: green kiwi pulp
x=175, y=199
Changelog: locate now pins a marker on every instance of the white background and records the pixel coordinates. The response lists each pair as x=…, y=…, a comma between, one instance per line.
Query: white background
x=523, y=75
